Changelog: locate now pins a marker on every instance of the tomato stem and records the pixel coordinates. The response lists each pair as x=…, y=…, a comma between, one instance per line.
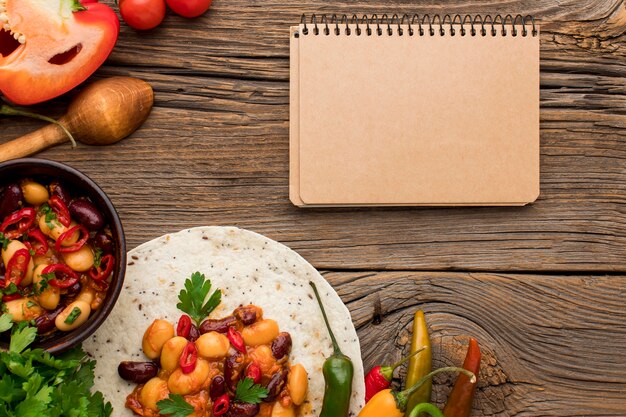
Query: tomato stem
x=12, y=111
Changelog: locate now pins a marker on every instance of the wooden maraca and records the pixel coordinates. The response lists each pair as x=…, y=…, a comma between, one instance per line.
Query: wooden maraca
x=103, y=113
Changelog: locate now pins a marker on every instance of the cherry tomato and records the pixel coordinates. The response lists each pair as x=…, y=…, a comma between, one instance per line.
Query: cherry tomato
x=189, y=8
x=142, y=14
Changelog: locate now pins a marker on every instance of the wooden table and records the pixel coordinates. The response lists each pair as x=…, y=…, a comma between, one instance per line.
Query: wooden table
x=542, y=287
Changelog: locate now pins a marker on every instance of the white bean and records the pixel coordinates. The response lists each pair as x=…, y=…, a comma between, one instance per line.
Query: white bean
x=82, y=315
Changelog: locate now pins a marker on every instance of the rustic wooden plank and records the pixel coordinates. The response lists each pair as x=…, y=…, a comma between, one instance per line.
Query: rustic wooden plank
x=217, y=154
x=552, y=345
x=215, y=149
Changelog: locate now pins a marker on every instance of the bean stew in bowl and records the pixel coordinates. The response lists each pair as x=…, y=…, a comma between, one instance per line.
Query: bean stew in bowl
x=63, y=253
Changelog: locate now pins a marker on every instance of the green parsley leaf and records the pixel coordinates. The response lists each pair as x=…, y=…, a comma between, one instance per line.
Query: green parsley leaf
x=30, y=304
x=50, y=215
x=43, y=284
x=71, y=318
x=97, y=257
x=11, y=289
x=4, y=242
x=192, y=298
x=249, y=392
x=6, y=322
x=21, y=338
x=175, y=406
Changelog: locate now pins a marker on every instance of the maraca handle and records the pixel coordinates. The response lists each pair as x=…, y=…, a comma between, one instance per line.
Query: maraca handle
x=32, y=143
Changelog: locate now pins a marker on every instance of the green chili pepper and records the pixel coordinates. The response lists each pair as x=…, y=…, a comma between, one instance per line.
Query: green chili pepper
x=338, y=372
x=427, y=408
x=421, y=364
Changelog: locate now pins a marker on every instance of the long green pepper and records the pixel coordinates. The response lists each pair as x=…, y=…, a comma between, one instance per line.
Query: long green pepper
x=338, y=372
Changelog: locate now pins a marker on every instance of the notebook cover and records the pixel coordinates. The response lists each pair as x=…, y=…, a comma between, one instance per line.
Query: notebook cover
x=423, y=120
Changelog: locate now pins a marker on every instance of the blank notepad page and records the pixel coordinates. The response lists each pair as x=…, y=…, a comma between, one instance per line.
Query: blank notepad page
x=414, y=120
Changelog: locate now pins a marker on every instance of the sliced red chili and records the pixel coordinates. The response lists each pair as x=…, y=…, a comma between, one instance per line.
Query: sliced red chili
x=38, y=237
x=11, y=297
x=105, y=268
x=17, y=267
x=254, y=372
x=23, y=219
x=189, y=358
x=84, y=236
x=184, y=326
x=236, y=340
x=64, y=276
x=221, y=405
x=60, y=209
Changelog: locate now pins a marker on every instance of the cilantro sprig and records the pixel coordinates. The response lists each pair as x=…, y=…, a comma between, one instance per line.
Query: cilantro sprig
x=34, y=383
x=97, y=257
x=50, y=215
x=175, y=406
x=193, y=299
x=249, y=392
x=4, y=241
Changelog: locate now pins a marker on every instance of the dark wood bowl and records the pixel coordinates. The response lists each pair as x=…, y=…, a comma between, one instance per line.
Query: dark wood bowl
x=32, y=168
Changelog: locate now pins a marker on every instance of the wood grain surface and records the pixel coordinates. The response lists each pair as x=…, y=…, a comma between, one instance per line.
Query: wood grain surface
x=551, y=345
x=542, y=287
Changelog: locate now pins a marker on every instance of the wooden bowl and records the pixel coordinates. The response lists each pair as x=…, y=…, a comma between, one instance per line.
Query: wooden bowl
x=17, y=169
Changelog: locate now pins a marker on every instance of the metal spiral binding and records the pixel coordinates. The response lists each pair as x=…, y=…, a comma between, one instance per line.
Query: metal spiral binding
x=426, y=25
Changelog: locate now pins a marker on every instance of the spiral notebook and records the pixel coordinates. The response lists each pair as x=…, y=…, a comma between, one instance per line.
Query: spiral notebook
x=412, y=110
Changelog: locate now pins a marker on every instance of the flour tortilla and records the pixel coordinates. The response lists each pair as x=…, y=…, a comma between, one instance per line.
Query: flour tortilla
x=249, y=268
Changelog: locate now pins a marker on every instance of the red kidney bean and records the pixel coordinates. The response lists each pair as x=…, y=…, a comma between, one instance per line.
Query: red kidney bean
x=87, y=214
x=194, y=333
x=137, y=372
x=220, y=326
x=45, y=322
x=56, y=188
x=275, y=385
x=233, y=369
x=246, y=314
x=104, y=242
x=10, y=200
x=74, y=289
x=281, y=346
x=239, y=409
x=217, y=388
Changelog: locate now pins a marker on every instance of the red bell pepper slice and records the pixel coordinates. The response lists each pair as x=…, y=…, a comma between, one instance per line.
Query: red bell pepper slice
x=11, y=297
x=17, y=267
x=60, y=209
x=58, y=245
x=221, y=405
x=38, y=237
x=254, y=372
x=51, y=46
x=236, y=339
x=189, y=358
x=184, y=326
x=23, y=218
x=105, y=268
x=64, y=276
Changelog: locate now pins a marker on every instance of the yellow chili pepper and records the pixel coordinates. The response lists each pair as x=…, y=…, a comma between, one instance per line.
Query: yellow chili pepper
x=390, y=403
x=421, y=364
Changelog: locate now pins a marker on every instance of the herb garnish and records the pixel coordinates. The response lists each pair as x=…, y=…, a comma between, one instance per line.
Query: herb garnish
x=175, y=406
x=50, y=215
x=71, y=318
x=11, y=289
x=192, y=298
x=249, y=392
x=41, y=286
x=35, y=383
x=97, y=257
x=4, y=241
